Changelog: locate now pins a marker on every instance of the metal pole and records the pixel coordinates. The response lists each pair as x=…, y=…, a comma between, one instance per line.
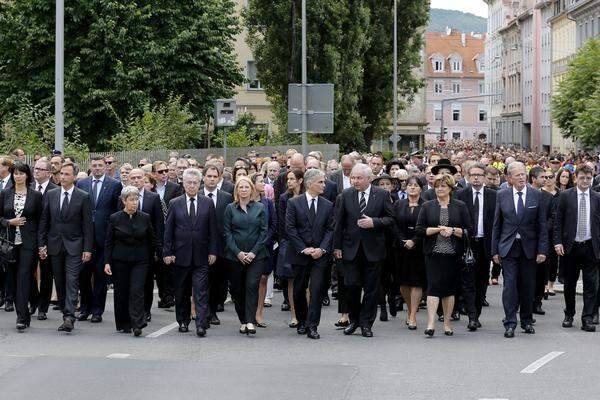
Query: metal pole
x=304, y=83
x=395, y=128
x=59, y=76
x=225, y=145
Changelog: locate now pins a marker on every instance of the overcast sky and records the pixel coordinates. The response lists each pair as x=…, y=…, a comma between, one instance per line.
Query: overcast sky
x=477, y=7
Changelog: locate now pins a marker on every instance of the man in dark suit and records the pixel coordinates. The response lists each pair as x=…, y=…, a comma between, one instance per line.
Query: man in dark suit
x=167, y=191
x=331, y=190
x=213, y=172
x=577, y=240
x=149, y=203
x=481, y=203
x=40, y=298
x=341, y=177
x=66, y=234
x=519, y=243
x=363, y=213
x=104, y=194
x=273, y=169
x=7, y=289
x=191, y=244
x=296, y=162
x=309, y=223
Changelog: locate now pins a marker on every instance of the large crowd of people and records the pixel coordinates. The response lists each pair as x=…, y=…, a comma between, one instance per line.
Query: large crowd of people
x=429, y=229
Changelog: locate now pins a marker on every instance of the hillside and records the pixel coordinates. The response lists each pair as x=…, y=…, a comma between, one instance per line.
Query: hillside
x=465, y=22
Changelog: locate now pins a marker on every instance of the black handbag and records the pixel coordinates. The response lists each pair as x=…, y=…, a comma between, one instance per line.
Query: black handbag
x=468, y=256
x=7, y=249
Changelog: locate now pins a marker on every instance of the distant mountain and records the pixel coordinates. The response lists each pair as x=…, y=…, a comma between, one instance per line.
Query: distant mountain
x=439, y=19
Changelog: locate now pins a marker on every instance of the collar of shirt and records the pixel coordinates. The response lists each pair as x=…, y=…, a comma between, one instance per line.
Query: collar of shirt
x=70, y=191
x=579, y=192
x=141, y=193
x=187, y=198
x=480, y=191
x=367, y=192
x=524, y=191
x=309, y=198
x=43, y=185
x=5, y=180
x=100, y=180
x=206, y=192
x=220, y=184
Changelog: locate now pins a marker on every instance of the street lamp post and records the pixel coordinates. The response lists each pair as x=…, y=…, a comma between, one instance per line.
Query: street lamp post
x=59, y=64
x=304, y=83
x=395, y=85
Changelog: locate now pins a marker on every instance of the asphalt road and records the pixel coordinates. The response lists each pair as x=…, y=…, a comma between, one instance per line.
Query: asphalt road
x=94, y=362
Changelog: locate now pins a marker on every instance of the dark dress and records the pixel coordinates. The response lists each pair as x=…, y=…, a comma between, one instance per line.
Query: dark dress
x=283, y=268
x=411, y=263
x=271, y=233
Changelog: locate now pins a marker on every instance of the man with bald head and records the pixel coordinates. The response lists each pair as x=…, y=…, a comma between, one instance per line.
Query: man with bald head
x=296, y=161
x=342, y=176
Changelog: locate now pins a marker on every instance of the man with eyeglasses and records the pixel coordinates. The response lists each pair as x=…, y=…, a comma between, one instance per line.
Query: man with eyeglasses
x=111, y=167
x=40, y=298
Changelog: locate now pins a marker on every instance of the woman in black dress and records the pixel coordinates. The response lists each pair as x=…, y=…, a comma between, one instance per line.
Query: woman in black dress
x=441, y=224
x=409, y=249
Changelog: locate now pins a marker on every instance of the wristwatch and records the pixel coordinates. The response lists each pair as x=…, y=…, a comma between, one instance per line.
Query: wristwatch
x=324, y=251
x=453, y=230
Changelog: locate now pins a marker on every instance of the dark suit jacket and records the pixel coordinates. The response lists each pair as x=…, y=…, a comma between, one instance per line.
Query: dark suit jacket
x=331, y=190
x=531, y=226
x=338, y=178
x=105, y=205
x=428, y=194
x=223, y=199
x=280, y=186
x=151, y=206
x=429, y=217
x=348, y=236
x=8, y=184
x=130, y=238
x=227, y=186
x=565, y=221
x=32, y=212
x=302, y=233
x=51, y=185
x=172, y=190
x=74, y=233
x=191, y=243
x=401, y=228
x=489, y=208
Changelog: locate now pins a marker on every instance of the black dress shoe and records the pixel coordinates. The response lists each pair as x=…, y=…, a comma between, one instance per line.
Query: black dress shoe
x=21, y=326
x=528, y=329
x=214, y=320
x=509, y=333
x=383, y=315
x=588, y=327
x=96, y=319
x=83, y=317
x=342, y=324
x=455, y=316
x=220, y=307
x=366, y=332
x=285, y=307
x=9, y=307
x=32, y=310
x=312, y=333
x=393, y=310
x=56, y=307
x=538, y=310
x=183, y=328
x=326, y=301
x=478, y=324
x=429, y=332
x=595, y=320
x=351, y=328
x=485, y=303
x=137, y=332
x=63, y=328
x=147, y=317
x=472, y=326
x=200, y=332
x=301, y=329
x=42, y=316
x=126, y=330
x=567, y=322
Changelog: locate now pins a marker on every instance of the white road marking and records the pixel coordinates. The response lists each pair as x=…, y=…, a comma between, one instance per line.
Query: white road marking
x=534, y=366
x=118, y=355
x=163, y=330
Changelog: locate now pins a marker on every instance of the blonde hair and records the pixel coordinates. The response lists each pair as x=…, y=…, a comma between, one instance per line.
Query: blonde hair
x=444, y=178
x=239, y=180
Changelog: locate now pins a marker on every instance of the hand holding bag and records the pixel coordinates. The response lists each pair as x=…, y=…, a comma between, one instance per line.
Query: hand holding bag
x=7, y=249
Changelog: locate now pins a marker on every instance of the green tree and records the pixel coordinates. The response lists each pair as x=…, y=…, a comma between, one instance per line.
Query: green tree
x=576, y=105
x=246, y=133
x=120, y=57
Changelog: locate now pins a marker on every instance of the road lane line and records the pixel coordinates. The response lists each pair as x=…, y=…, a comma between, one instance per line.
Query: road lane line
x=118, y=355
x=163, y=330
x=534, y=366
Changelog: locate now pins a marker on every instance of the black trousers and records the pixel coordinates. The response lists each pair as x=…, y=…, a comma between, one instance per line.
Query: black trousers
x=342, y=293
x=581, y=258
x=129, y=279
x=315, y=275
x=164, y=282
x=66, y=277
x=541, y=280
x=389, y=286
x=152, y=272
x=22, y=270
x=93, y=291
x=41, y=297
x=519, y=274
x=496, y=269
x=362, y=275
x=552, y=266
x=475, y=280
x=217, y=279
x=244, y=280
x=187, y=279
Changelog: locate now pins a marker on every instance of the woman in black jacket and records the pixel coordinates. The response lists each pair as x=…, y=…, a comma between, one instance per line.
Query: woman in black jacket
x=21, y=207
x=129, y=249
x=441, y=224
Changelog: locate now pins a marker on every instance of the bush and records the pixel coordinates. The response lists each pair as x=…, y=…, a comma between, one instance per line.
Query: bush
x=245, y=134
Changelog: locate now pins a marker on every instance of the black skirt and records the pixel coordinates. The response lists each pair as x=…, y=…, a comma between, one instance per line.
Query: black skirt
x=443, y=274
x=411, y=267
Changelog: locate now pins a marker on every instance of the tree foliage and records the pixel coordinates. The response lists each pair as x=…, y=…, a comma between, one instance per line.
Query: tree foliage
x=576, y=105
x=121, y=57
x=349, y=45
x=246, y=133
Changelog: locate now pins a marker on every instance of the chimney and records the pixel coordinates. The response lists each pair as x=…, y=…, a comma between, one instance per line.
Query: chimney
x=463, y=39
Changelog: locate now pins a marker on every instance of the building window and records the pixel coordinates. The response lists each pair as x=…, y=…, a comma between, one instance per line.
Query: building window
x=456, y=87
x=437, y=112
x=252, y=75
x=481, y=88
x=437, y=87
x=456, y=64
x=482, y=115
x=455, y=113
x=438, y=64
x=456, y=135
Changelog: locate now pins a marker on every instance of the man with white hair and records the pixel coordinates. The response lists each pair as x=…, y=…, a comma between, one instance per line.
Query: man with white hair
x=362, y=214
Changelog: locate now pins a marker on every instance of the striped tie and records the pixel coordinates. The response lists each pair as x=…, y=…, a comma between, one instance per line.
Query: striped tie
x=363, y=203
x=582, y=218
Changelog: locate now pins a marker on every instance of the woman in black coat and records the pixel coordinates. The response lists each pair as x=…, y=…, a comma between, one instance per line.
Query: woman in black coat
x=441, y=225
x=21, y=207
x=129, y=250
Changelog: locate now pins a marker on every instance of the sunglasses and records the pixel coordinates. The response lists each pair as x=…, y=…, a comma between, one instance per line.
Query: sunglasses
x=162, y=171
x=109, y=162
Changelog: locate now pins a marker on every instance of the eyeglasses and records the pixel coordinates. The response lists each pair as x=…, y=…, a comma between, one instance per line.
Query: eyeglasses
x=476, y=175
x=109, y=162
x=162, y=171
x=41, y=169
x=549, y=177
x=141, y=165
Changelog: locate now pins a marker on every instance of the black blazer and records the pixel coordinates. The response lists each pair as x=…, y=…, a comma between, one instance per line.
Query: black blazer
x=75, y=232
x=227, y=186
x=172, y=190
x=401, y=228
x=130, y=238
x=32, y=213
x=302, y=233
x=338, y=178
x=489, y=207
x=223, y=200
x=429, y=217
x=151, y=206
x=331, y=190
x=565, y=221
x=348, y=236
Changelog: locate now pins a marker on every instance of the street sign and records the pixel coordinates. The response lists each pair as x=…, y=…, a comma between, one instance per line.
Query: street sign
x=319, y=108
x=225, y=112
x=442, y=142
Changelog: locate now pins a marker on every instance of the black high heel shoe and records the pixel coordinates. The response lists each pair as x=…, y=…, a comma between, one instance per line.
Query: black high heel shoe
x=429, y=332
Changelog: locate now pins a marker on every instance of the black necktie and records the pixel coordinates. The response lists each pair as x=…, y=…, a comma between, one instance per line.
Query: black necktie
x=95, y=190
x=520, y=205
x=39, y=188
x=476, y=216
x=312, y=212
x=65, y=205
x=192, y=210
x=363, y=203
x=210, y=196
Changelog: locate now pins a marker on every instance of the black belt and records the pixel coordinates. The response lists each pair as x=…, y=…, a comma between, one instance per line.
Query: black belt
x=477, y=239
x=583, y=243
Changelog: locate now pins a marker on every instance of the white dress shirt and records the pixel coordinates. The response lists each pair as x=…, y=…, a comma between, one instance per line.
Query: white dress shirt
x=220, y=184
x=516, y=200
x=62, y=196
x=99, y=187
x=141, y=199
x=214, y=195
x=160, y=189
x=188, y=202
x=479, y=232
x=43, y=185
x=4, y=182
x=588, y=234
x=367, y=193
x=309, y=198
x=346, y=181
